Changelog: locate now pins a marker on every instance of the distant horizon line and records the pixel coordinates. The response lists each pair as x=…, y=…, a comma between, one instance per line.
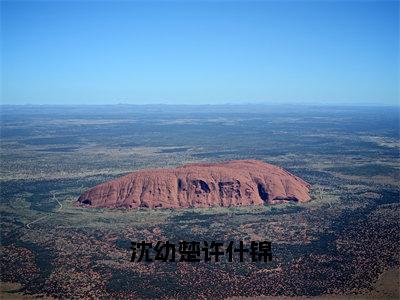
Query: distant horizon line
x=213, y=104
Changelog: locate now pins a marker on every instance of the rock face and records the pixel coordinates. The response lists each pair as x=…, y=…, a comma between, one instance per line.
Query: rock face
x=232, y=183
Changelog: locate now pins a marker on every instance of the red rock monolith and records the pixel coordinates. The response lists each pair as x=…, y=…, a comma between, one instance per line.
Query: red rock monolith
x=231, y=183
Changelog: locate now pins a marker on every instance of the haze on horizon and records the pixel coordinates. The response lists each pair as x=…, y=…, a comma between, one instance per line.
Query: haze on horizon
x=136, y=52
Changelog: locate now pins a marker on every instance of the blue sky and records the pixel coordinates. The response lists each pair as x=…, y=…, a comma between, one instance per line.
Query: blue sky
x=89, y=52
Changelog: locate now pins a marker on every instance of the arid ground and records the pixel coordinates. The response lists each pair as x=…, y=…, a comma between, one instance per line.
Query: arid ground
x=343, y=243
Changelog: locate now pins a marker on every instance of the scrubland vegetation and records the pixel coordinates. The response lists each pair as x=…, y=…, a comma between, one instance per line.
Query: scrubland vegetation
x=339, y=243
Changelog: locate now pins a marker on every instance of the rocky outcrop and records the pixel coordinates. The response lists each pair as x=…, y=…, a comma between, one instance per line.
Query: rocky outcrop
x=231, y=183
